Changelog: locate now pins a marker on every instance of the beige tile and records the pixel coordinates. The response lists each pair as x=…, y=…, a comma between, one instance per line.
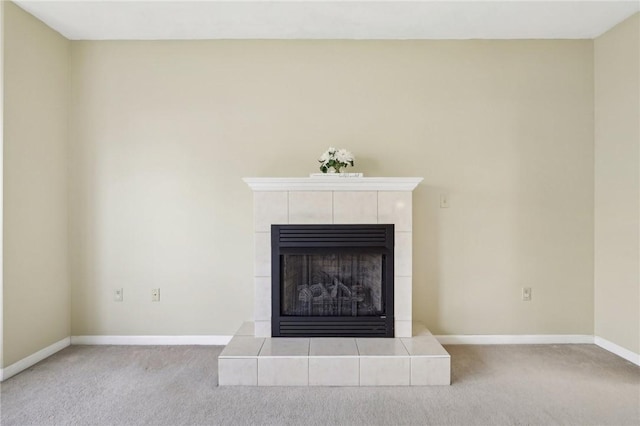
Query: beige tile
x=263, y=328
x=424, y=346
x=402, y=255
x=385, y=371
x=262, y=265
x=285, y=346
x=402, y=293
x=333, y=346
x=329, y=371
x=246, y=329
x=427, y=371
x=262, y=301
x=238, y=372
x=283, y=371
x=270, y=208
x=243, y=347
x=395, y=207
x=355, y=207
x=378, y=346
x=419, y=329
x=403, y=328
x=310, y=207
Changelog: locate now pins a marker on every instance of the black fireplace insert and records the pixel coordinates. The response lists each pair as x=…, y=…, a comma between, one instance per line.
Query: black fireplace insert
x=332, y=280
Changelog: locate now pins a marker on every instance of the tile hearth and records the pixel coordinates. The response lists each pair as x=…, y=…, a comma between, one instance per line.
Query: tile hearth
x=254, y=358
x=409, y=361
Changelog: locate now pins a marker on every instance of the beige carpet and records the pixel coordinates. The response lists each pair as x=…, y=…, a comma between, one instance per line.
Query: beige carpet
x=177, y=385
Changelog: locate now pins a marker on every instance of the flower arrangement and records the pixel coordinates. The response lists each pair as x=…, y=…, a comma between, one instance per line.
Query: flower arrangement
x=335, y=159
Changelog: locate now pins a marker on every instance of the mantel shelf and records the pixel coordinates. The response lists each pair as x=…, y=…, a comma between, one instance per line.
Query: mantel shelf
x=331, y=183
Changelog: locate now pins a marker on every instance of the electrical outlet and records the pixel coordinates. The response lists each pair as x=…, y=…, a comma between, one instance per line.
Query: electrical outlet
x=117, y=295
x=155, y=295
x=444, y=201
x=526, y=294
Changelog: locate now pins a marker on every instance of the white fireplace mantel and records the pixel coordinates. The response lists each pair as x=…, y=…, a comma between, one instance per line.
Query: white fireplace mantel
x=333, y=183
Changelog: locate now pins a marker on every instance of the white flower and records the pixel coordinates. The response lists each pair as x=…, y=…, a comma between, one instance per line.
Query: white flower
x=335, y=159
x=344, y=156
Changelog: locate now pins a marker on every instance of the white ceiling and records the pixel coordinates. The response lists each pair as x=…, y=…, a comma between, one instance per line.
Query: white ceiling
x=346, y=19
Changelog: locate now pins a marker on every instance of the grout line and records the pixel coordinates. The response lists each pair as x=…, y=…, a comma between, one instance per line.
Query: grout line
x=262, y=345
x=405, y=346
x=258, y=357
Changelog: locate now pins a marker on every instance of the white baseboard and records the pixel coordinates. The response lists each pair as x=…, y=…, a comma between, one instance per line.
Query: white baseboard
x=33, y=359
x=543, y=339
x=500, y=339
x=617, y=349
x=150, y=340
x=515, y=339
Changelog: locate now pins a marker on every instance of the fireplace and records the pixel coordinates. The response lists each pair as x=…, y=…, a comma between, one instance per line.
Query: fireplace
x=328, y=201
x=332, y=280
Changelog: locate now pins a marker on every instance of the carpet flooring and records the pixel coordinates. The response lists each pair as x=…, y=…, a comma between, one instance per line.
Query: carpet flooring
x=177, y=385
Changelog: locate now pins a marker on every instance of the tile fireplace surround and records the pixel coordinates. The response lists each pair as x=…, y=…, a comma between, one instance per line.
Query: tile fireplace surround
x=413, y=357
x=332, y=200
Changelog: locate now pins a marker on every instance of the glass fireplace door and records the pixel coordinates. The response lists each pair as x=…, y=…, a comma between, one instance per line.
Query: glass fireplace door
x=327, y=285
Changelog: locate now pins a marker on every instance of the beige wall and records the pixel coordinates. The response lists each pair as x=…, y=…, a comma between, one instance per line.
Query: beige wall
x=163, y=132
x=617, y=185
x=36, y=282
